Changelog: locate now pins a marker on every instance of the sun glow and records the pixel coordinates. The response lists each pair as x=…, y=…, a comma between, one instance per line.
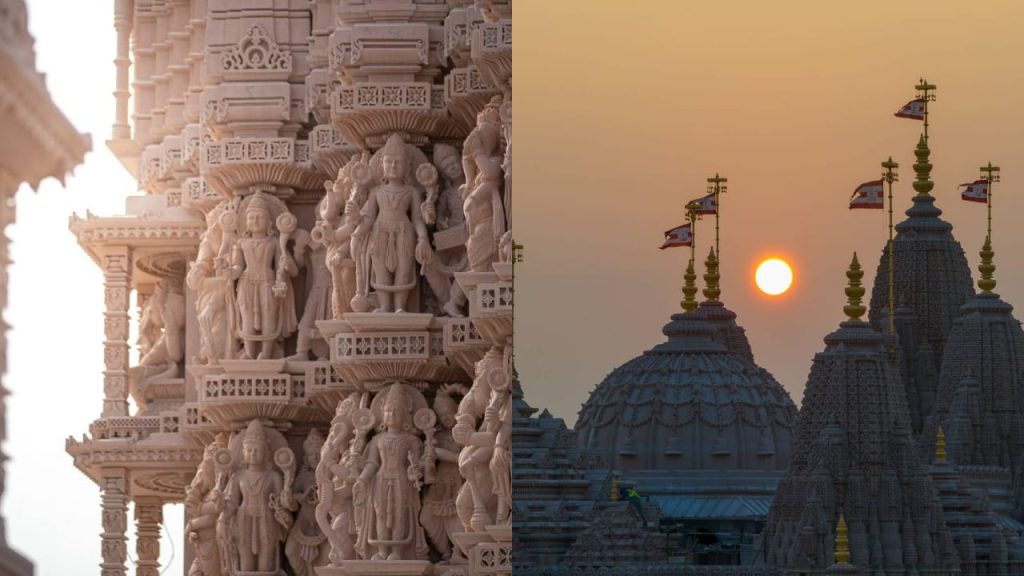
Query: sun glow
x=774, y=276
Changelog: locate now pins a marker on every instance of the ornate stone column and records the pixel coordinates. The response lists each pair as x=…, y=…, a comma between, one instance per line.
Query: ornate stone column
x=149, y=516
x=115, y=525
x=123, y=24
x=116, y=284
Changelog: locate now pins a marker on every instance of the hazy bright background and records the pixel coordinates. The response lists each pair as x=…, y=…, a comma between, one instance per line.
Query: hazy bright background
x=55, y=356
x=625, y=108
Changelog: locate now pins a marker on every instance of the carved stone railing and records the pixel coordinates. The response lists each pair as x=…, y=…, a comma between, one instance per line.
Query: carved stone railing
x=466, y=93
x=390, y=346
x=492, y=52
x=233, y=163
x=493, y=37
x=249, y=151
x=388, y=96
x=494, y=298
x=237, y=386
x=234, y=397
x=382, y=347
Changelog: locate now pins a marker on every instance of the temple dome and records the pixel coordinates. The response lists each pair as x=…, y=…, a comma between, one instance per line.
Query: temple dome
x=689, y=403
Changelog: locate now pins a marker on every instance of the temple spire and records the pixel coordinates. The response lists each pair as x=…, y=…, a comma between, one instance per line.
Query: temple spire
x=987, y=282
x=711, y=290
x=923, y=184
x=689, y=303
x=854, y=308
x=842, y=554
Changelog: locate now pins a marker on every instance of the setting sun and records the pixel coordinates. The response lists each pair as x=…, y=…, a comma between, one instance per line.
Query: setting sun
x=773, y=276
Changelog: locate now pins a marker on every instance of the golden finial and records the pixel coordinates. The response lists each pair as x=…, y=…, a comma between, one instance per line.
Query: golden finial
x=854, y=308
x=842, y=541
x=615, y=489
x=940, y=445
x=711, y=290
x=923, y=185
x=987, y=281
x=689, y=303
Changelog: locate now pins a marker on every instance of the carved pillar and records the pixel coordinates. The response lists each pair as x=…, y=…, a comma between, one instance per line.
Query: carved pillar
x=149, y=516
x=123, y=25
x=116, y=284
x=115, y=526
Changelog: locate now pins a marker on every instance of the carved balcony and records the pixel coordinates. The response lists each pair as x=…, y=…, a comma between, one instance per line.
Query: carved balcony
x=490, y=301
x=368, y=112
x=374, y=348
x=329, y=150
x=463, y=343
x=492, y=52
x=256, y=389
x=466, y=92
x=237, y=163
x=195, y=426
x=324, y=387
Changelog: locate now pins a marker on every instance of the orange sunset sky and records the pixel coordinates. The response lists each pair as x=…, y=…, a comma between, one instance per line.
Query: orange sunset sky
x=625, y=108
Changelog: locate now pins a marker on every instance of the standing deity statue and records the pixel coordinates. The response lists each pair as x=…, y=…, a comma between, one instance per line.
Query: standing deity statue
x=388, y=486
x=266, y=307
x=439, y=516
x=397, y=235
x=334, y=512
x=307, y=546
x=444, y=208
x=210, y=277
x=204, y=504
x=483, y=203
x=477, y=504
x=258, y=498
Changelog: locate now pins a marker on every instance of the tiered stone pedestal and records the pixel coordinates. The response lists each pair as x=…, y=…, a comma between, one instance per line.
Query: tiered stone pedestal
x=489, y=552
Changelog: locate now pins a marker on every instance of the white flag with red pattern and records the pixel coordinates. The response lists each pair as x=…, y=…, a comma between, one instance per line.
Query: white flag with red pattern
x=976, y=191
x=708, y=205
x=868, y=195
x=913, y=110
x=678, y=236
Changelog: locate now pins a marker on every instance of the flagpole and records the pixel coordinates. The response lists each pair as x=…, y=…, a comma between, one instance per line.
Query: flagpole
x=689, y=288
x=715, y=186
x=925, y=88
x=991, y=174
x=890, y=175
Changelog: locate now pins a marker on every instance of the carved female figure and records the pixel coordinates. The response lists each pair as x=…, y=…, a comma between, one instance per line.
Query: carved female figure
x=397, y=234
x=210, y=277
x=307, y=545
x=254, y=501
x=311, y=251
x=389, y=485
x=477, y=504
x=265, y=303
x=204, y=504
x=485, y=214
x=439, y=516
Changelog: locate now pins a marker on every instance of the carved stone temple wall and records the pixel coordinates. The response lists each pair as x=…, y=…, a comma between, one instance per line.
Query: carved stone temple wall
x=318, y=266
x=36, y=142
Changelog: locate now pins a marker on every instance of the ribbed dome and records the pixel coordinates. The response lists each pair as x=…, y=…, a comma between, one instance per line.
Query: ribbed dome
x=689, y=403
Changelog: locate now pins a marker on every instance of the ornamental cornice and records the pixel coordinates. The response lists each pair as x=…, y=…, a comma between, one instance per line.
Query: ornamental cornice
x=50, y=145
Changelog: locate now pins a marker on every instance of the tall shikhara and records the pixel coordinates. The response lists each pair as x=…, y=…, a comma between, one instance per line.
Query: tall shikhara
x=932, y=280
x=321, y=253
x=855, y=458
